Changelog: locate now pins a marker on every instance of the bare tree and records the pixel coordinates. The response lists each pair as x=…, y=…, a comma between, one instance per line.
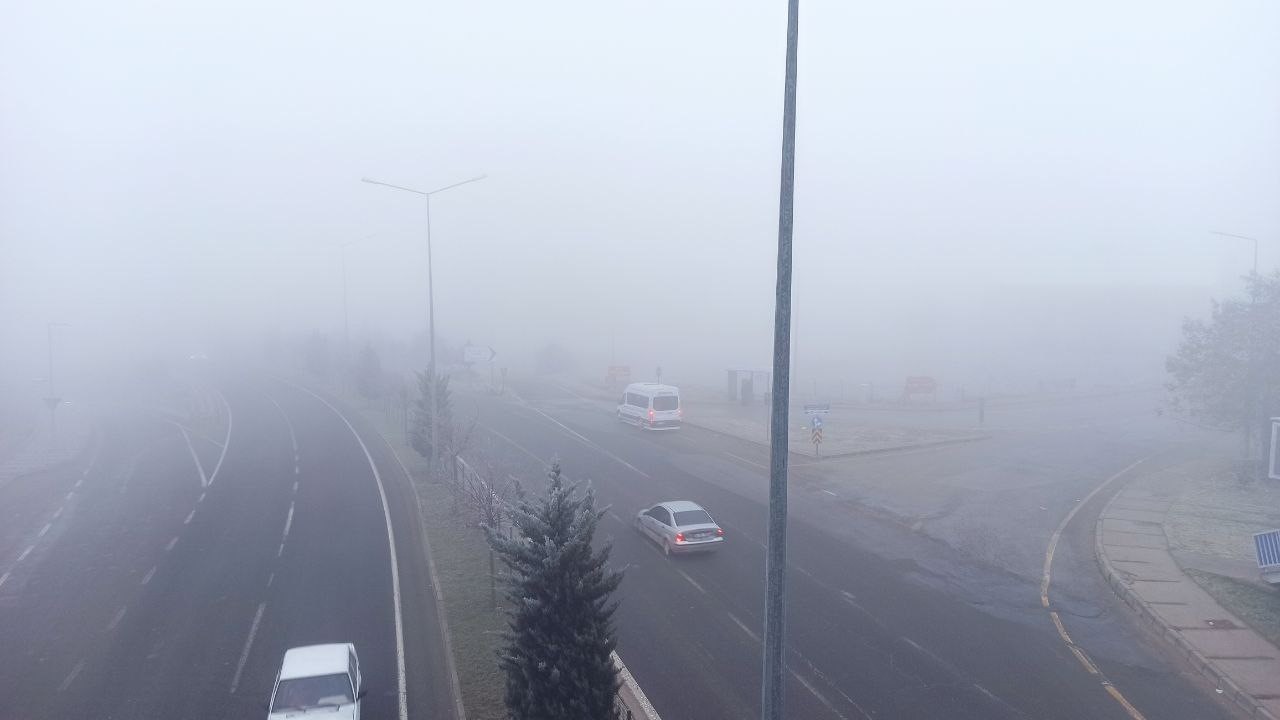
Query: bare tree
x=488, y=492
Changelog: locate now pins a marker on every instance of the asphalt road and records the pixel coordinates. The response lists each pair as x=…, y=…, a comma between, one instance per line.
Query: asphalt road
x=144, y=583
x=165, y=575
x=884, y=620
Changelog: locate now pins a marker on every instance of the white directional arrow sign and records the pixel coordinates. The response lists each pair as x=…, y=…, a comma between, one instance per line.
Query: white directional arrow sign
x=472, y=354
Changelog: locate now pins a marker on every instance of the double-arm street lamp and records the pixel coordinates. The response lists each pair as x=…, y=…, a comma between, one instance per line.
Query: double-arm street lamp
x=431, y=291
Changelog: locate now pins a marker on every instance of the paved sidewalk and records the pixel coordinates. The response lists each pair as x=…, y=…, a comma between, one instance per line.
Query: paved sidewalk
x=1133, y=547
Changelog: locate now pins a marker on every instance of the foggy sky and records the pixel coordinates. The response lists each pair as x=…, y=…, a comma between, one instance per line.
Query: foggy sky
x=982, y=188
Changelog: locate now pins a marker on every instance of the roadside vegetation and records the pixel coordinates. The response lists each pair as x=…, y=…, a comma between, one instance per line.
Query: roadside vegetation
x=1257, y=606
x=461, y=556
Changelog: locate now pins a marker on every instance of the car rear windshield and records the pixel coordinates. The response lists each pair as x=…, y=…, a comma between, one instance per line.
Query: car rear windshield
x=309, y=692
x=666, y=402
x=692, y=517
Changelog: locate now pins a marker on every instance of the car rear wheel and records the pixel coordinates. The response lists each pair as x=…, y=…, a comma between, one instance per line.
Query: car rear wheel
x=666, y=548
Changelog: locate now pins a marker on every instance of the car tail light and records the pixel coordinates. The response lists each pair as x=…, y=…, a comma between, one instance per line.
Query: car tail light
x=650, y=414
x=679, y=537
x=719, y=532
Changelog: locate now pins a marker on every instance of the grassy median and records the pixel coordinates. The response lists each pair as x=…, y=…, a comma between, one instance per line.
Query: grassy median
x=1258, y=606
x=461, y=556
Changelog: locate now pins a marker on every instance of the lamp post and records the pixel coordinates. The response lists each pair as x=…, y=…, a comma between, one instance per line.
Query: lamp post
x=1254, y=413
x=1244, y=237
x=52, y=400
x=431, y=291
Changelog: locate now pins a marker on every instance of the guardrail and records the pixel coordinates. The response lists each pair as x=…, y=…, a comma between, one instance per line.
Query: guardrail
x=631, y=702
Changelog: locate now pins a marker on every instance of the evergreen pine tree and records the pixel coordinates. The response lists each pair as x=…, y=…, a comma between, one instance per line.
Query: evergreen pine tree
x=421, y=435
x=557, y=656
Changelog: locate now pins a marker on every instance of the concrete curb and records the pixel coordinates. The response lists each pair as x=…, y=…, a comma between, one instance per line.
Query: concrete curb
x=852, y=453
x=1205, y=666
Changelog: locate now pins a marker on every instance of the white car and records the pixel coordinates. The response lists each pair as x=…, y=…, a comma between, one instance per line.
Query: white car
x=680, y=526
x=318, y=678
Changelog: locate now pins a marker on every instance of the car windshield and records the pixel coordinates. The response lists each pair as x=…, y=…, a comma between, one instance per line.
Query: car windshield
x=300, y=693
x=692, y=517
x=666, y=402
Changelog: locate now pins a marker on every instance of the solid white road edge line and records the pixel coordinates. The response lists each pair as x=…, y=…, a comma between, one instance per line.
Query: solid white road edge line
x=204, y=479
x=391, y=544
x=441, y=619
x=293, y=438
x=226, y=441
x=248, y=643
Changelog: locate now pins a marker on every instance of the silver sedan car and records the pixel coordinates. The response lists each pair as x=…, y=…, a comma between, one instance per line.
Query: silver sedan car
x=680, y=526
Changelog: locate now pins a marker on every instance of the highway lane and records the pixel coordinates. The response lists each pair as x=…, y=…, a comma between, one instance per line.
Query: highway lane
x=164, y=597
x=867, y=636
x=104, y=519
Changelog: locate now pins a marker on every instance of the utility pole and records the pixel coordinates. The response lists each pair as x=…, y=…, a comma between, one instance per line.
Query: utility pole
x=775, y=569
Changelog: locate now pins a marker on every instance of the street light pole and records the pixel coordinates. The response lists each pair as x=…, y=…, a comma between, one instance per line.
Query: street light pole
x=775, y=569
x=431, y=295
x=1254, y=413
x=1254, y=240
x=53, y=401
x=346, y=318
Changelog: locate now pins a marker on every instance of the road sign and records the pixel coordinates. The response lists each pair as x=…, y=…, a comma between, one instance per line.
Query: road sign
x=817, y=438
x=921, y=385
x=816, y=422
x=1273, y=471
x=1267, y=546
x=815, y=408
x=472, y=354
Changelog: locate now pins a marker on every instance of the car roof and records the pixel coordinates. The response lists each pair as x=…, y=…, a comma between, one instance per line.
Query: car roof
x=653, y=389
x=681, y=505
x=313, y=660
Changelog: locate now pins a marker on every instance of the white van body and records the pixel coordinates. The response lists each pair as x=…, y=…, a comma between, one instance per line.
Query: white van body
x=651, y=406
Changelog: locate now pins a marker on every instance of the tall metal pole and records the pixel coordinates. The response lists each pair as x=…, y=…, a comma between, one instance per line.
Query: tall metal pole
x=431, y=332
x=775, y=569
x=49, y=328
x=431, y=291
x=346, y=318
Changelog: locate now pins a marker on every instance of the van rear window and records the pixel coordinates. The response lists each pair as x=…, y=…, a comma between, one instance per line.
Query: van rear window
x=666, y=402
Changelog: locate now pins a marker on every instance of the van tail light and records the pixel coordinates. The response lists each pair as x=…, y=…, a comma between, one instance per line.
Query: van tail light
x=679, y=537
x=719, y=532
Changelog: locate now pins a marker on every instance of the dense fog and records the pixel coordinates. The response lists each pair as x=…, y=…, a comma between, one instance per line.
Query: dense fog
x=995, y=194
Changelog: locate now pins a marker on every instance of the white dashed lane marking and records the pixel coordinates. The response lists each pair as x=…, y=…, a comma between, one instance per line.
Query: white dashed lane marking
x=116, y=620
x=147, y=578
x=71, y=677
x=248, y=643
